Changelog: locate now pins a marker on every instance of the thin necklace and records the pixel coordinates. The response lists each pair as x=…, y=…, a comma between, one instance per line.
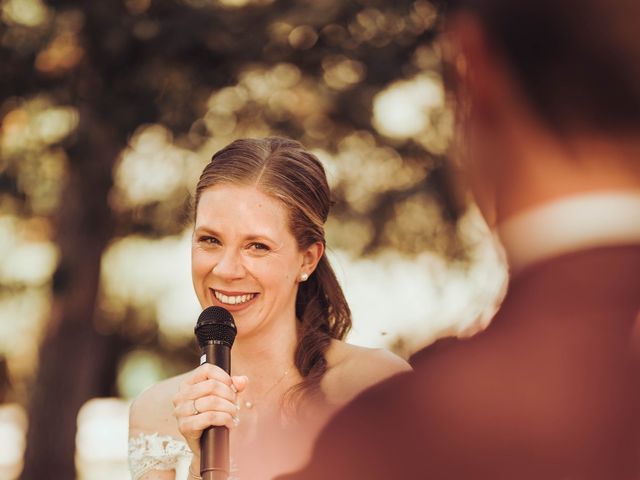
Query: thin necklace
x=250, y=404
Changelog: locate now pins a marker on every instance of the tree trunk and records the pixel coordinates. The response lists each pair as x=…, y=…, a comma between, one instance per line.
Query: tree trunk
x=73, y=355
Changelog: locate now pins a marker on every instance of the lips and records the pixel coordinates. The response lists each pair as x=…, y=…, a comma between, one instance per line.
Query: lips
x=233, y=299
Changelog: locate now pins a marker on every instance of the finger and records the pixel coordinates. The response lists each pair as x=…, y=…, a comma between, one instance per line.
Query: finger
x=240, y=382
x=193, y=425
x=209, y=387
x=198, y=376
x=192, y=407
x=212, y=404
x=208, y=371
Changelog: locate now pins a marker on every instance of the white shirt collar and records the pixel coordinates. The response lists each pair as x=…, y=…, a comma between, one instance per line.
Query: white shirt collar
x=571, y=224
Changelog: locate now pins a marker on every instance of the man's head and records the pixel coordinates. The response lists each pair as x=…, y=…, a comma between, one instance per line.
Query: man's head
x=576, y=61
x=539, y=80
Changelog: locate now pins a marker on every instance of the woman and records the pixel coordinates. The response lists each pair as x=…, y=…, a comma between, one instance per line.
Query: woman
x=259, y=251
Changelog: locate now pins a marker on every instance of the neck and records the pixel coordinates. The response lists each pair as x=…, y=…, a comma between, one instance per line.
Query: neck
x=266, y=355
x=544, y=169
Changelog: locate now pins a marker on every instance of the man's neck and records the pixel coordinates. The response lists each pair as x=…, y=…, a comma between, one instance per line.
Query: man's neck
x=547, y=171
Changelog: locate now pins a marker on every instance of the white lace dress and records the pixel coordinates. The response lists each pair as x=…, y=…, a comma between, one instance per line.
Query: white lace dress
x=162, y=452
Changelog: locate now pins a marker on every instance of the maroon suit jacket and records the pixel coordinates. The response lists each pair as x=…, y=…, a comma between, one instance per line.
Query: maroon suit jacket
x=550, y=390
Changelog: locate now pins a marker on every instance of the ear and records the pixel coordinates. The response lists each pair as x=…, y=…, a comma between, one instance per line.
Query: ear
x=482, y=78
x=488, y=110
x=311, y=256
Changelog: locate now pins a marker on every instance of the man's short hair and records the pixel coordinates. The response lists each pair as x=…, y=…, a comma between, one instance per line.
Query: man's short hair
x=578, y=61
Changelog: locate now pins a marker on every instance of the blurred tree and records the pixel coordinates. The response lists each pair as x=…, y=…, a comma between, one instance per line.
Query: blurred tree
x=93, y=93
x=5, y=381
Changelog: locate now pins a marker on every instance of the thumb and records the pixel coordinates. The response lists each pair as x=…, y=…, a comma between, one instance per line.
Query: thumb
x=240, y=382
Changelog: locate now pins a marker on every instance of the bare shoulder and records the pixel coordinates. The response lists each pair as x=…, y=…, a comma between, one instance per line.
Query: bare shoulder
x=152, y=410
x=352, y=369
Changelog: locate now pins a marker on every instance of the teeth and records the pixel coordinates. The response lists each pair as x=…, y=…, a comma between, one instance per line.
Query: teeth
x=233, y=300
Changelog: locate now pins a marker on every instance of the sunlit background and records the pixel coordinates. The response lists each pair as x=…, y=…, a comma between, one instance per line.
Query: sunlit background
x=109, y=112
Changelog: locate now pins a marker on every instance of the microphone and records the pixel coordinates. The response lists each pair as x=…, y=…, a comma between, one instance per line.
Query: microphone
x=216, y=332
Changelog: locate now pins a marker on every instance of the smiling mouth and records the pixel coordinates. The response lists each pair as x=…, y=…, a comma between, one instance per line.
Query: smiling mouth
x=233, y=299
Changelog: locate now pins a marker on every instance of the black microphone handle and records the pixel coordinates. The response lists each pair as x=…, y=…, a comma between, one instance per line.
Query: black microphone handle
x=214, y=442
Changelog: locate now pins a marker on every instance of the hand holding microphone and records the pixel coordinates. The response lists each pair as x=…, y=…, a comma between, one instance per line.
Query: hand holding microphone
x=206, y=404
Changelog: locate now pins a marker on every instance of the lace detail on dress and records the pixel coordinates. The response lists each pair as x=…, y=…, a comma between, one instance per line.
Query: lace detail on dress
x=163, y=452
x=156, y=452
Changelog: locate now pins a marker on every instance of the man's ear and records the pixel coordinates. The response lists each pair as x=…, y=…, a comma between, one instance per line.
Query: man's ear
x=490, y=109
x=482, y=78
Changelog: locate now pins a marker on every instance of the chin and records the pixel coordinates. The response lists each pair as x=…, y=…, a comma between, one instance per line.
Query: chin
x=245, y=332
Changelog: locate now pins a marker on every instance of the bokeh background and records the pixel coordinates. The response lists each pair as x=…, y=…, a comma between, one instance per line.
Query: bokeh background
x=108, y=112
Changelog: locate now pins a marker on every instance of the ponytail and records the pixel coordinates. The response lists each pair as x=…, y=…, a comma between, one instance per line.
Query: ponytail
x=323, y=315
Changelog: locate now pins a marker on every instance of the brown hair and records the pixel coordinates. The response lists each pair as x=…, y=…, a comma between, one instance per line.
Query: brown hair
x=576, y=60
x=283, y=169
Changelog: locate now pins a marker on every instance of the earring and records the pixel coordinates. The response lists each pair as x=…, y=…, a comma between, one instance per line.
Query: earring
x=304, y=276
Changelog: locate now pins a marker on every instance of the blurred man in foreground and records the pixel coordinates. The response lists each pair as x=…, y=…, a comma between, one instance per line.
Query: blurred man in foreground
x=548, y=99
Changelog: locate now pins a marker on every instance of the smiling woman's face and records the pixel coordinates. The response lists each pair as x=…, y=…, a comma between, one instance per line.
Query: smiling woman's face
x=245, y=258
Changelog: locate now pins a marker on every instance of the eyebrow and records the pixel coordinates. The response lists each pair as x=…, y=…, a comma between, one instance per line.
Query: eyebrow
x=250, y=237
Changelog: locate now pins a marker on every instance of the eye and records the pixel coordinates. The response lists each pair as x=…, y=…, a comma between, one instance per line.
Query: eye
x=258, y=247
x=208, y=240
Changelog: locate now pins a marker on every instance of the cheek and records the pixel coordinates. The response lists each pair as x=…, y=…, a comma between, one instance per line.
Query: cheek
x=272, y=273
x=201, y=263
x=265, y=270
x=198, y=272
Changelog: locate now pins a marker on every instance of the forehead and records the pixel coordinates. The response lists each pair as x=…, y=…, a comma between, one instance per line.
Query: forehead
x=241, y=207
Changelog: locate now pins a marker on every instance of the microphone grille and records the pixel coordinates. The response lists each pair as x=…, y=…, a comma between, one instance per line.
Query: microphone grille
x=215, y=324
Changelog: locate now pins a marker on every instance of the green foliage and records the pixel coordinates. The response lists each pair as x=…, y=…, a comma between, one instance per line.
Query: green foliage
x=209, y=72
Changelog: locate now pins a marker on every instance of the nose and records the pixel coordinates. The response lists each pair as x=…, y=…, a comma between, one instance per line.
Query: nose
x=229, y=265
